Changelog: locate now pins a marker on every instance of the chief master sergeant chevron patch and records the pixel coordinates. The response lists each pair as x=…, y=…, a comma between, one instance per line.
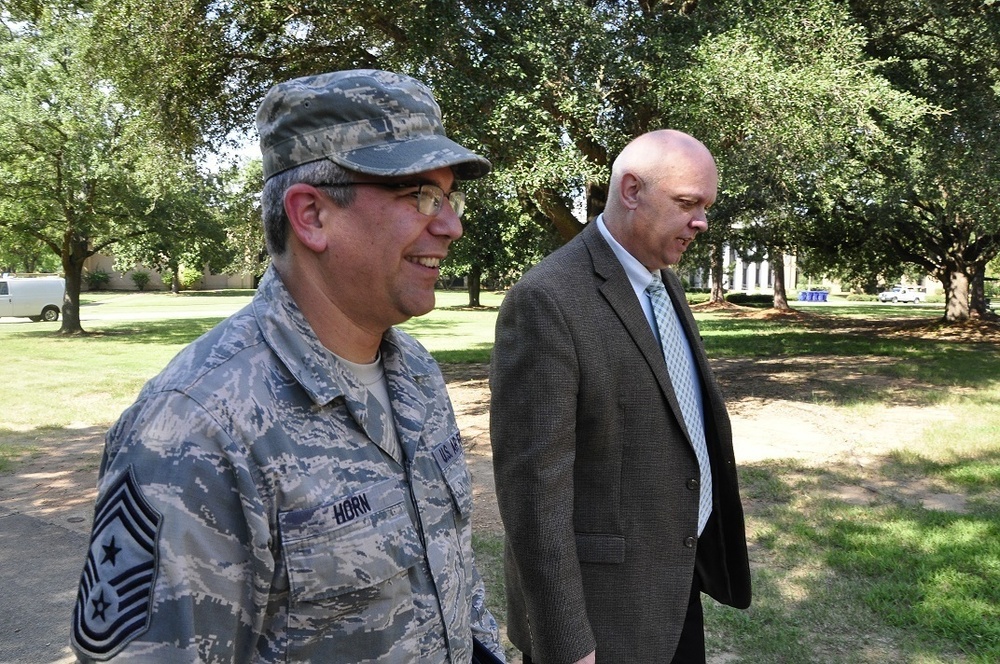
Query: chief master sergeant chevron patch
x=116, y=591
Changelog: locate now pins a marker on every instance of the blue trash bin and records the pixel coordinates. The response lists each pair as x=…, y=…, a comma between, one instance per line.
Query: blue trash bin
x=803, y=295
x=811, y=296
x=822, y=295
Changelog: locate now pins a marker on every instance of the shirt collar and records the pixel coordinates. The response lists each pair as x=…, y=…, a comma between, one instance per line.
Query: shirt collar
x=637, y=273
x=293, y=340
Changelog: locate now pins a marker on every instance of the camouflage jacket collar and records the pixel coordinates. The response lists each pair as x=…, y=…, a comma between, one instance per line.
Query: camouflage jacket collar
x=292, y=339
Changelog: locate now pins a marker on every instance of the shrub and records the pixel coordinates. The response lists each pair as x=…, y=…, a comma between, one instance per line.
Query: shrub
x=141, y=279
x=189, y=277
x=750, y=299
x=97, y=279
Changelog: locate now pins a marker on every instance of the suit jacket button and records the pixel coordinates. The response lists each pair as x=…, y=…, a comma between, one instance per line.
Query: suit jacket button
x=692, y=484
x=689, y=542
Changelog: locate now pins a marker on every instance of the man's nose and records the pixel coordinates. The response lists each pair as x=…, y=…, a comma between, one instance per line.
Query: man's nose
x=446, y=222
x=700, y=222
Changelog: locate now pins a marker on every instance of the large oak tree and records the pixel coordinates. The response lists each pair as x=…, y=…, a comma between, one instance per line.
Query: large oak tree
x=82, y=171
x=944, y=211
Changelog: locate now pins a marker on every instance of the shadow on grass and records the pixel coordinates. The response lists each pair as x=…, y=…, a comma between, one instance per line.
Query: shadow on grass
x=861, y=380
x=456, y=326
x=475, y=354
x=224, y=292
x=848, y=567
x=55, y=442
x=435, y=326
x=842, y=365
x=727, y=334
x=978, y=476
x=166, y=332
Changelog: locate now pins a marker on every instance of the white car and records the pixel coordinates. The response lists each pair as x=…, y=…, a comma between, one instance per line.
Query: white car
x=902, y=294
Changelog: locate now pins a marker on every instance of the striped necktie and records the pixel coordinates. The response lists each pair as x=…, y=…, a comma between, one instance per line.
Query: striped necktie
x=684, y=378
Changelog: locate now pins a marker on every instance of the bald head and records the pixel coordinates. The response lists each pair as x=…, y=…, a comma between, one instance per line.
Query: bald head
x=661, y=186
x=658, y=155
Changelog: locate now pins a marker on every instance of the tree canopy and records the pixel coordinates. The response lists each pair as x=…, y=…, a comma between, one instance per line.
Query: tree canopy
x=81, y=169
x=794, y=111
x=944, y=213
x=858, y=135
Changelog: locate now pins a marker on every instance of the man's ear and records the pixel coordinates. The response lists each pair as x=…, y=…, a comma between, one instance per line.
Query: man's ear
x=629, y=191
x=303, y=205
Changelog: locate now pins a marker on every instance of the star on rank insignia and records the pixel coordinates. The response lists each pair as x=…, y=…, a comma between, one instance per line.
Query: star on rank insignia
x=116, y=589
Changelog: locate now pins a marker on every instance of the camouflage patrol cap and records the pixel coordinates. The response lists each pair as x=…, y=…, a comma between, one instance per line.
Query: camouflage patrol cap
x=365, y=120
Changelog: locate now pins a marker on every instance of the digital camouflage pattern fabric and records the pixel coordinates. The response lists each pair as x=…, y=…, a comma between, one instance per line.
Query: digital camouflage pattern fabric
x=249, y=512
x=364, y=120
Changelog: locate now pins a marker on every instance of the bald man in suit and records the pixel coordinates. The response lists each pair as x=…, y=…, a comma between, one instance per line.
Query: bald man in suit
x=615, y=523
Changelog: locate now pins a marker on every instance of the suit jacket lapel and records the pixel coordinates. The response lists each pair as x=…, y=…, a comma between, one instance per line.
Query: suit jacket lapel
x=617, y=290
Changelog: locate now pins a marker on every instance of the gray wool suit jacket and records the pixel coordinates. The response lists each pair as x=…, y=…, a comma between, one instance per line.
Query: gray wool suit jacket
x=595, y=477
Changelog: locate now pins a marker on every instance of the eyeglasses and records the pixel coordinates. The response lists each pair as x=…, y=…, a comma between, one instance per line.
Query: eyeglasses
x=430, y=197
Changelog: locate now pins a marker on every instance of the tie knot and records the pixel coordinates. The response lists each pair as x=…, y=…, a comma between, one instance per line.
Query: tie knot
x=656, y=285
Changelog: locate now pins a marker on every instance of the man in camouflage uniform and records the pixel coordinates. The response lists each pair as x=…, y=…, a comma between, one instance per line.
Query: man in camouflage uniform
x=292, y=487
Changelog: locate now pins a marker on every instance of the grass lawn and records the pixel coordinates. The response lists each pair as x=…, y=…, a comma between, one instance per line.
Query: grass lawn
x=131, y=336
x=836, y=579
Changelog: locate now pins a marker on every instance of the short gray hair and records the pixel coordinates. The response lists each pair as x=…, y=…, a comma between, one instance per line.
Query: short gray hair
x=272, y=198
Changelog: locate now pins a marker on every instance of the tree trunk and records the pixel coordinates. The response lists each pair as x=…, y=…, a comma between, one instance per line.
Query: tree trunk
x=551, y=204
x=956, y=285
x=175, y=280
x=978, y=289
x=475, y=279
x=717, y=270
x=777, y=260
x=597, y=198
x=74, y=254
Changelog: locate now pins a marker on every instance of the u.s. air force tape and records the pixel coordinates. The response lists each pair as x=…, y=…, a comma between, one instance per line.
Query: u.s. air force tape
x=116, y=590
x=449, y=451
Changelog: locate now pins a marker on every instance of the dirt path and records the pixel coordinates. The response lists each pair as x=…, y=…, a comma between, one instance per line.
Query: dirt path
x=780, y=408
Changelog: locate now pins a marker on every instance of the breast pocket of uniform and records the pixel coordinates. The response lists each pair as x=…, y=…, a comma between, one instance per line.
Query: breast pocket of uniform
x=450, y=458
x=348, y=563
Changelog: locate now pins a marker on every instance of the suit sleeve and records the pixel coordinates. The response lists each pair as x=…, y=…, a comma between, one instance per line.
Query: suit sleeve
x=534, y=381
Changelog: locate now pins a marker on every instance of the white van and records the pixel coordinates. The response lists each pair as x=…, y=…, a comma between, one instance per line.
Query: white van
x=37, y=299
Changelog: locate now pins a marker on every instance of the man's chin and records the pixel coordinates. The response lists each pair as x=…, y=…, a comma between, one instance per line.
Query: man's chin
x=419, y=307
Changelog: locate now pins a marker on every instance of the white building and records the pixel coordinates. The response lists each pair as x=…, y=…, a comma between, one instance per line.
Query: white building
x=745, y=276
x=123, y=280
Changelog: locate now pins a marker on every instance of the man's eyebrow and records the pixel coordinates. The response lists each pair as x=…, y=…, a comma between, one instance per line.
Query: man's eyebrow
x=402, y=183
x=416, y=182
x=422, y=181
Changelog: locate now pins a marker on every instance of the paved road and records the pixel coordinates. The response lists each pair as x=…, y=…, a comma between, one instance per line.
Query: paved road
x=40, y=557
x=40, y=565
